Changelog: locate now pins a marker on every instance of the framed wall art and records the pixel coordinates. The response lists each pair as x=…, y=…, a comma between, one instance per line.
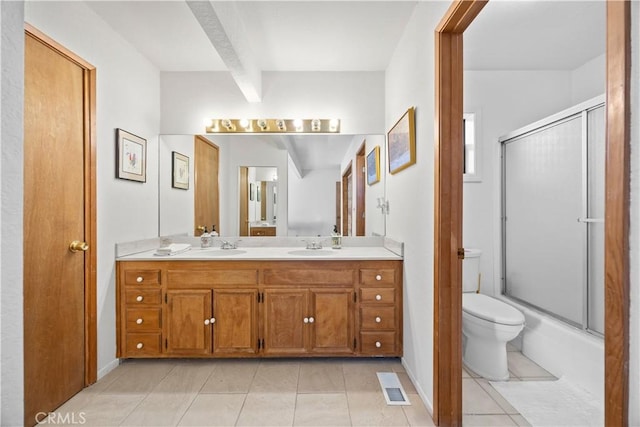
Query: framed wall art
x=131, y=156
x=373, y=166
x=401, y=142
x=179, y=171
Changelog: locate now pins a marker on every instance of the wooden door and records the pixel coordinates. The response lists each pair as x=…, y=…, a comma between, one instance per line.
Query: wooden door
x=59, y=285
x=284, y=326
x=360, y=189
x=347, y=201
x=206, y=191
x=188, y=317
x=243, y=192
x=331, y=327
x=235, y=330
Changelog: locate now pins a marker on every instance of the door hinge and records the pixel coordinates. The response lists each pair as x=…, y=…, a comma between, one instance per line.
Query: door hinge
x=166, y=343
x=460, y=253
x=259, y=345
x=355, y=298
x=355, y=343
x=165, y=298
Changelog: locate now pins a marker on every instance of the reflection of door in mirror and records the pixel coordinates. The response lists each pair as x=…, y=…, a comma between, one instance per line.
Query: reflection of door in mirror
x=244, y=201
x=206, y=193
x=360, y=188
x=347, y=202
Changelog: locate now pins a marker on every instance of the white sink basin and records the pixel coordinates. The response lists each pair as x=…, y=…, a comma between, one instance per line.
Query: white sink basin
x=221, y=252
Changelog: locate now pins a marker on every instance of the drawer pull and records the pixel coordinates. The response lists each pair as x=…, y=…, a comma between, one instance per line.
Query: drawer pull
x=207, y=321
x=378, y=277
x=139, y=345
x=378, y=319
x=139, y=321
x=305, y=320
x=378, y=297
x=139, y=279
x=139, y=298
x=378, y=344
x=213, y=320
x=311, y=320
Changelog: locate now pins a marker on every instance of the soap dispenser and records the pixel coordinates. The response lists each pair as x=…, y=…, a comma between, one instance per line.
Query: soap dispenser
x=336, y=238
x=205, y=239
x=213, y=233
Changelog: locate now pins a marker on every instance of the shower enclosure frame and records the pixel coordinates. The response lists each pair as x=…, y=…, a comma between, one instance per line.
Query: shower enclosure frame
x=580, y=110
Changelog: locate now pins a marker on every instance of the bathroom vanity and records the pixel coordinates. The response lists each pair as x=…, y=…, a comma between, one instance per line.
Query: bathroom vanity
x=260, y=302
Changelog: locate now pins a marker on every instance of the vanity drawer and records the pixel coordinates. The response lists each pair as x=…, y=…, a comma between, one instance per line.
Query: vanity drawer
x=308, y=276
x=378, y=342
x=193, y=279
x=377, y=295
x=142, y=277
x=374, y=276
x=135, y=297
x=143, y=344
x=377, y=317
x=143, y=319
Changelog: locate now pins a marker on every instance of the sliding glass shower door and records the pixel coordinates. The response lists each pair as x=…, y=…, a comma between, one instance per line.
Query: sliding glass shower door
x=553, y=183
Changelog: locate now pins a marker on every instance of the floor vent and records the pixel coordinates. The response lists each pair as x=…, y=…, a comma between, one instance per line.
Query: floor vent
x=392, y=389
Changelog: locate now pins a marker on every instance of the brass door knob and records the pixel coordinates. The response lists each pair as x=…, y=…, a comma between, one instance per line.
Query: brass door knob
x=77, y=246
x=200, y=228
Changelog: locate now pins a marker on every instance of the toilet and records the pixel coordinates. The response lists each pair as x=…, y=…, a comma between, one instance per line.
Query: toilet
x=487, y=324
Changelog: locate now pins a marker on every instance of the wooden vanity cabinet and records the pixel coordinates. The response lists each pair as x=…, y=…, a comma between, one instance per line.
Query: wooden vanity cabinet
x=226, y=308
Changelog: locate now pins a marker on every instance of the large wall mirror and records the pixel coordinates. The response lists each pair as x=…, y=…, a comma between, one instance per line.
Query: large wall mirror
x=265, y=185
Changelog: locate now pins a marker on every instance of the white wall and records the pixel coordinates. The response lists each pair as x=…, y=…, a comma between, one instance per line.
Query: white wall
x=357, y=98
x=11, y=184
x=505, y=101
x=309, y=212
x=588, y=80
x=176, y=205
x=410, y=82
x=128, y=97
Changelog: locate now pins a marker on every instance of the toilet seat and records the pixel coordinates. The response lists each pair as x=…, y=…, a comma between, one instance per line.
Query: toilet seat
x=490, y=309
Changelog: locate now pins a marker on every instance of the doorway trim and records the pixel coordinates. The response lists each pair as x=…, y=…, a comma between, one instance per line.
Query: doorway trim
x=447, y=388
x=90, y=206
x=361, y=188
x=345, y=198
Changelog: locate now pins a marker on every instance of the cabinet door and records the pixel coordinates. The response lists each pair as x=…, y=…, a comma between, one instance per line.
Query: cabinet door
x=331, y=320
x=188, y=328
x=236, y=321
x=284, y=326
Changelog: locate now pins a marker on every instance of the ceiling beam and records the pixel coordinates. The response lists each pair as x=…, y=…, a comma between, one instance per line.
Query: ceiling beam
x=223, y=26
x=285, y=142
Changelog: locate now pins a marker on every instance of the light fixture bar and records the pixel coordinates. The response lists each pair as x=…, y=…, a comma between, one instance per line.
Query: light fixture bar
x=272, y=126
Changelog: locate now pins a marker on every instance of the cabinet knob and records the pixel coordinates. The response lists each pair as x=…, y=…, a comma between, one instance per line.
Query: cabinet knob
x=378, y=319
x=311, y=320
x=378, y=277
x=139, y=345
x=305, y=320
x=139, y=321
x=378, y=344
x=139, y=279
x=139, y=298
x=213, y=320
x=378, y=297
x=207, y=321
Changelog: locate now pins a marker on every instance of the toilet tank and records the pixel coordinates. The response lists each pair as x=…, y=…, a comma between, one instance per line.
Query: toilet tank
x=471, y=270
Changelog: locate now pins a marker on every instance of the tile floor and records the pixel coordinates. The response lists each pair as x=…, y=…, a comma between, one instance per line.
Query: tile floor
x=482, y=405
x=278, y=392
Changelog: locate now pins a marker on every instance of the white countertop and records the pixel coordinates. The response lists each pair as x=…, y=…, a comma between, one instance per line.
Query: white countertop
x=271, y=253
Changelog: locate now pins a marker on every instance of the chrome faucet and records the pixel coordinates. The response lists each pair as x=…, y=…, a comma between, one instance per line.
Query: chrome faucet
x=228, y=245
x=314, y=245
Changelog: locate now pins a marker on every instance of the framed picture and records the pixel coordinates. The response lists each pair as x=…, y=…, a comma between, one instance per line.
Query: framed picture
x=179, y=171
x=373, y=166
x=131, y=156
x=251, y=192
x=401, y=142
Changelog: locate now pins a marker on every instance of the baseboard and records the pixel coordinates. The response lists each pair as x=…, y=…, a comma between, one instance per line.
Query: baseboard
x=421, y=393
x=108, y=368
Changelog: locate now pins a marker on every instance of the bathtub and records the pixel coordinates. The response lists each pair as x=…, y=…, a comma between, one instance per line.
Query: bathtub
x=561, y=349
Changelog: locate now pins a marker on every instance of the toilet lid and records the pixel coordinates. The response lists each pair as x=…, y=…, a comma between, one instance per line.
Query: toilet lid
x=491, y=309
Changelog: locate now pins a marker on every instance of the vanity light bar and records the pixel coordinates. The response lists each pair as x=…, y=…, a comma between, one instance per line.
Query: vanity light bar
x=272, y=125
